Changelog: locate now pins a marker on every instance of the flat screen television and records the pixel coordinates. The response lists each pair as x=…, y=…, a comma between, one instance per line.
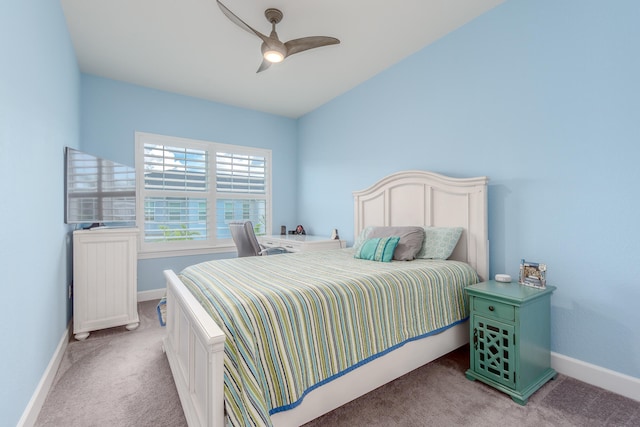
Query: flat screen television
x=98, y=191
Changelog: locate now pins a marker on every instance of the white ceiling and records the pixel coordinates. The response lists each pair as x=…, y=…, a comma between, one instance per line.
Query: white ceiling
x=189, y=47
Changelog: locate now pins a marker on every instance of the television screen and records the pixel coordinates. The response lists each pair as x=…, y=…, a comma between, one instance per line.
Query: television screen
x=98, y=191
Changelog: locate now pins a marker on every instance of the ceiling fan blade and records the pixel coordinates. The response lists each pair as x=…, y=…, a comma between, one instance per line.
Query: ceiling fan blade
x=306, y=43
x=265, y=64
x=240, y=23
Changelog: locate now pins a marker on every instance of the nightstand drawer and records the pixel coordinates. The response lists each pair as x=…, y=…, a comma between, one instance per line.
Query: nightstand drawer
x=494, y=309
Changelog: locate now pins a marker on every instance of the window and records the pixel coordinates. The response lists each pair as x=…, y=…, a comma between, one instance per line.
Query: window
x=190, y=190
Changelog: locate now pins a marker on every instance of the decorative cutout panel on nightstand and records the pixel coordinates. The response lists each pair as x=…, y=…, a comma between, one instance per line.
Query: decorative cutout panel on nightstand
x=493, y=345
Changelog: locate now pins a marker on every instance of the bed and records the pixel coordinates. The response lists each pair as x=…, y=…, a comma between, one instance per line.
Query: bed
x=195, y=344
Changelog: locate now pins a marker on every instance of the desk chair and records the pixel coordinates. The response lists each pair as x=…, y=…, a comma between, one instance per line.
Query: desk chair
x=246, y=241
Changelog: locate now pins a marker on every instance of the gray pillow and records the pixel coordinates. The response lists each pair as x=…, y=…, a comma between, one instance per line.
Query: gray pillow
x=410, y=240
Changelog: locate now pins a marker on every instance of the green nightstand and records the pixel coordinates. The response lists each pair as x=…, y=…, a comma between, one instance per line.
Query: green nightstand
x=510, y=330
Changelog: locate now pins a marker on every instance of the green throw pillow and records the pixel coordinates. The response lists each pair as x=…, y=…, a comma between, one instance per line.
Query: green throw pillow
x=439, y=242
x=378, y=249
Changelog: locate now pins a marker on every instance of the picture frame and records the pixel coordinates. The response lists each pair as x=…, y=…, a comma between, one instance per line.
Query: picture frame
x=533, y=274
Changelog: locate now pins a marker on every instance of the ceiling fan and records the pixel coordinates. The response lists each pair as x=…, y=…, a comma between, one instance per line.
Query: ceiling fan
x=273, y=50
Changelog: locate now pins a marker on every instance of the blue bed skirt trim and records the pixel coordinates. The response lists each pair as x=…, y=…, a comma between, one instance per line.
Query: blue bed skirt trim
x=357, y=365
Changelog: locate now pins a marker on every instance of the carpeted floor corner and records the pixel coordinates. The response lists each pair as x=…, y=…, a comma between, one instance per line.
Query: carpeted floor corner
x=120, y=378
x=115, y=378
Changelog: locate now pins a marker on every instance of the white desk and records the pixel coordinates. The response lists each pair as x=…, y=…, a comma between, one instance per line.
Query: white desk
x=301, y=242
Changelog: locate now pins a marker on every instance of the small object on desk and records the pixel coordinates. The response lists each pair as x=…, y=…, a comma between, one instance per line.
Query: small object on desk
x=505, y=278
x=283, y=230
x=300, y=230
x=334, y=234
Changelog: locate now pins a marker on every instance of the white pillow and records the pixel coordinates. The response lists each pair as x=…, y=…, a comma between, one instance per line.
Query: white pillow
x=362, y=237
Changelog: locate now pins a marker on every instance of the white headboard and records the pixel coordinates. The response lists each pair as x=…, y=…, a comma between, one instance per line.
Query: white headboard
x=429, y=199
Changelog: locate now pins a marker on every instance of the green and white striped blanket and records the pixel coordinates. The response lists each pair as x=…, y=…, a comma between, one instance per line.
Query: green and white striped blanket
x=296, y=321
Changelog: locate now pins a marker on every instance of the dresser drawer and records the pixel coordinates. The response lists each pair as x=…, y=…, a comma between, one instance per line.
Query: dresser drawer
x=288, y=245
x=494, y=309
x=300, y=243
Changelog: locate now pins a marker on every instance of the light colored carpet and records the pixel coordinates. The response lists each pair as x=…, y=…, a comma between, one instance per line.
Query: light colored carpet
x=121, y=378
x=438, y=394
x=115, y=378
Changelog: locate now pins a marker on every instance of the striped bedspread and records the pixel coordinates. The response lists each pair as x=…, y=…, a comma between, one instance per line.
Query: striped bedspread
x=296, y=321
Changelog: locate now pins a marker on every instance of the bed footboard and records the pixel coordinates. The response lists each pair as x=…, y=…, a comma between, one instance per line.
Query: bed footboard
x=195, y=349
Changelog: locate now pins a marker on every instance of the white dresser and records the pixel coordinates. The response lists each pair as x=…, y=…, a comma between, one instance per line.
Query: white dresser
x=301, y=242
x=104, y=279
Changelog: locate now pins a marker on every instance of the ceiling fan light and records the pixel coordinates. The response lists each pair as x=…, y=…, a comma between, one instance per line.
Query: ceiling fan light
x=273, y=56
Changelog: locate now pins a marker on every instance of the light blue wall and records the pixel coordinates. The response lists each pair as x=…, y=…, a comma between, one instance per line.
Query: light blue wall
x=113, y=111
x=543, y=97
x=39, y=115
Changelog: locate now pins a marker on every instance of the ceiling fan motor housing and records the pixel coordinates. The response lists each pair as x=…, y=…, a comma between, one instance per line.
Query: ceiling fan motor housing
x=273, y=15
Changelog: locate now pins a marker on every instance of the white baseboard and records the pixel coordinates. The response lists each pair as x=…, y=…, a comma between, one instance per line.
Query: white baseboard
x=151, y=295
x=31, y=412
x=607, y=379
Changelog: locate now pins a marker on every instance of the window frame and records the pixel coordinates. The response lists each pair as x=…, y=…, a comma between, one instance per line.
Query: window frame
x=211, y=244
